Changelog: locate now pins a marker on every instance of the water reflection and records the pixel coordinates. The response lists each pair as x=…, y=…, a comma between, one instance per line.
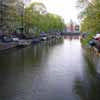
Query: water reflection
x=19, y=67
x=71, y=37
x=49, y=71
x=88, y=87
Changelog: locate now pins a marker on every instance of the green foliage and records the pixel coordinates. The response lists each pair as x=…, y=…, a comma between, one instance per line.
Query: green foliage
x=87, y=39
x=41, y=22
x=36, y=19
x=91, y=17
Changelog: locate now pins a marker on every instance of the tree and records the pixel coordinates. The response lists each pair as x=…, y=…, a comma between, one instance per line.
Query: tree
x=39, y=7
x=91, y=17
x=41, y=22
x=36, y=19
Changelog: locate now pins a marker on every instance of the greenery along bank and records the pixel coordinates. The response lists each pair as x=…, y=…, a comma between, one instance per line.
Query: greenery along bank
x=32, y=20
x=90, y=17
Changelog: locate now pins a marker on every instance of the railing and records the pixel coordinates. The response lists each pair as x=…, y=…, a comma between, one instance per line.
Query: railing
x=71, y=33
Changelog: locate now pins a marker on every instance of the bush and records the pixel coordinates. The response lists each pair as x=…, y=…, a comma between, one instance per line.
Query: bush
x=87, y=39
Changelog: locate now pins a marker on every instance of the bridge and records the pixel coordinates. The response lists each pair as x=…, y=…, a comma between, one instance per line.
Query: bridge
x=70, y=35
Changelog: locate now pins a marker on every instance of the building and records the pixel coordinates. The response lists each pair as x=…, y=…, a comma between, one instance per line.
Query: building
x=72, y=27
x=3, y=16
x=7, y=16
x=77, y=28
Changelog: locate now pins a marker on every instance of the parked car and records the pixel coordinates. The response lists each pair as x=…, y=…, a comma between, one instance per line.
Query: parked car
x=36, y=40
x=92, y=42
x=15, y=39
x=43, y=37
x=97, y=37
x=6, y=38
x=83, y=35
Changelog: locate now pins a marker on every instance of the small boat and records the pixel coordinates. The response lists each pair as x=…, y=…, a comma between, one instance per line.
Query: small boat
x=24, y=42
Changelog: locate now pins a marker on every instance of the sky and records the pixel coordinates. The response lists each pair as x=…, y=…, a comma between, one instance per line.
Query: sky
x=65, y=8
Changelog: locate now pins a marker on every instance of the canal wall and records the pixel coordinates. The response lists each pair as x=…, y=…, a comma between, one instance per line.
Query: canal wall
x=6, y=46
x=10, y=45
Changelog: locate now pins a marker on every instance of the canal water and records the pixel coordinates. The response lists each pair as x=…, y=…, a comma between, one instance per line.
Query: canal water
x=57, y=70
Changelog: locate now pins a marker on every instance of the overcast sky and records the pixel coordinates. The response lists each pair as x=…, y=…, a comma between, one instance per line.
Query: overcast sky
x=65, y=8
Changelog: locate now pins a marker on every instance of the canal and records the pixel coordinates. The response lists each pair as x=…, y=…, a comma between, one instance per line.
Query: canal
x=58, y=70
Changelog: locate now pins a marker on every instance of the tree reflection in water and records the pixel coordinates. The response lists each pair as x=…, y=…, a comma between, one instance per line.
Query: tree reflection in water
x=88, y=88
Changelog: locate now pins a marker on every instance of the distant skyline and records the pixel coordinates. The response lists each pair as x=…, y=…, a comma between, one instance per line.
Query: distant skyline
x=65, y=8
